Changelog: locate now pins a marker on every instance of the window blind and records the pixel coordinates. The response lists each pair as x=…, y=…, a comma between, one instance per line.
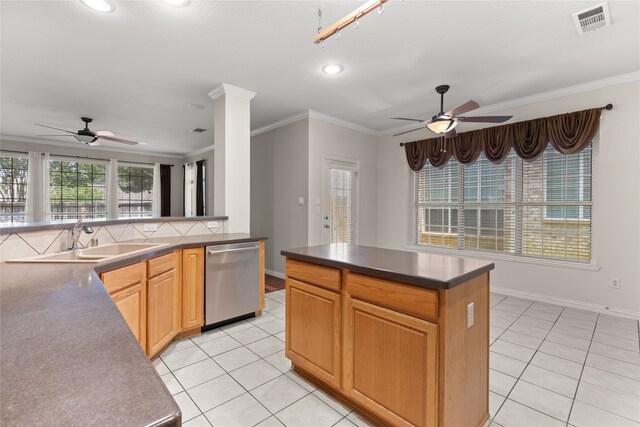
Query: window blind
x=537, y=209
x=342, y=204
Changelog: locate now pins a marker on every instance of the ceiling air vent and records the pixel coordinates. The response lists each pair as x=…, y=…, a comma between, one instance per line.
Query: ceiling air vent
x=198, y=130
x=592, y=19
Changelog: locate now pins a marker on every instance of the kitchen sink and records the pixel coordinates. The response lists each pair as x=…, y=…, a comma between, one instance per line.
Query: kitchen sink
x=92, y=255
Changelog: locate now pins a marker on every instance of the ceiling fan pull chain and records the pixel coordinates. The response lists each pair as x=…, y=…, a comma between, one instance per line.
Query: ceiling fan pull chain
x=319, y=20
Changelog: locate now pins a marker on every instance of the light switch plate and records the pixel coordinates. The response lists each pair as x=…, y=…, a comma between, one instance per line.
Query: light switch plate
x=317, y=210
x=469, y=315
x=301, y=201
x=212, y=224
x=150, y=227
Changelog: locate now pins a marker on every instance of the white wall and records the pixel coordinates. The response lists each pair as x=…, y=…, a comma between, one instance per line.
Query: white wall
x=279, y=175
x=327, y=139
x=616, y=210
x=176, y=171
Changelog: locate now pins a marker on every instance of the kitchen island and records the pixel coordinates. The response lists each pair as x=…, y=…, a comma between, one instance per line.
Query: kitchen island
x=403, y=337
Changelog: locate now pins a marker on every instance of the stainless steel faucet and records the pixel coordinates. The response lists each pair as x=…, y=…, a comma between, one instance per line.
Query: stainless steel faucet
x=76, y=231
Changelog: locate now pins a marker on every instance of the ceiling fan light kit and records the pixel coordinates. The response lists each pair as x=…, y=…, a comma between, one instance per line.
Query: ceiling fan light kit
x=445, y=122
x=89, y=137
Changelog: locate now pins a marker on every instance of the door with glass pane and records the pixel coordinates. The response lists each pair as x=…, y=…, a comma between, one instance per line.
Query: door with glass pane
x=340, y=202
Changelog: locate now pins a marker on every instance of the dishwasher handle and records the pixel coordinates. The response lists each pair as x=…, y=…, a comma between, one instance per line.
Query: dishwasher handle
x=226, y=251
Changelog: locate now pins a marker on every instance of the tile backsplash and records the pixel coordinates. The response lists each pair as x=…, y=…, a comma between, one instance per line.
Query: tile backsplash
x=31, y=243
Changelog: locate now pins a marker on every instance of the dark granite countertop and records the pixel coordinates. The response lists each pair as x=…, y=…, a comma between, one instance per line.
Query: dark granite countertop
x=68, y=357
x=413, y=268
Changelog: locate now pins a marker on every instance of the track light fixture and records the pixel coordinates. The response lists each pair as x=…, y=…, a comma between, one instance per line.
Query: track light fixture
x=352, y=18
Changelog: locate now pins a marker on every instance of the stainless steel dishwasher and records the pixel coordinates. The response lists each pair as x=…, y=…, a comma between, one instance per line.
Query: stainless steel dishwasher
x=232, y=281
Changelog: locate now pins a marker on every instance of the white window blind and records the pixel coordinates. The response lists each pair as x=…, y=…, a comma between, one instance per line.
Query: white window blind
x=537, y=209
x=342, y=204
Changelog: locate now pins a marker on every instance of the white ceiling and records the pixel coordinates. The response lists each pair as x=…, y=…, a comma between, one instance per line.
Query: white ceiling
x=134, y=71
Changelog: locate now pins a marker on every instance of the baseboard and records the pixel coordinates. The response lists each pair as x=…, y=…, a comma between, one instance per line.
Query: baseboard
x=568, y=303
x=274, y=273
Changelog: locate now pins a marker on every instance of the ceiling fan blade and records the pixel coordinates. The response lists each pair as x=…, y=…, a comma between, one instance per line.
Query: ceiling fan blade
x=54, y=135
x=402, y=133
x=406, y=118
x=51, y=127
x=484, y=119
x=120, y=140
x=451, y=134
x=104, y=133
x=461, y=109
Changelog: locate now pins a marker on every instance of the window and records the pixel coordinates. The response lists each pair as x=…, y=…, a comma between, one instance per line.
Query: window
x=537, y=209
x=13, y=188
x=77, y=189
x=341, y=203
x=135, y=191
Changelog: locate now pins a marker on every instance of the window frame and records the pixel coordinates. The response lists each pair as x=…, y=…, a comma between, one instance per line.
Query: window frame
x=518, y=256
x=72, y=216
x=13, y=215
x=141, y=214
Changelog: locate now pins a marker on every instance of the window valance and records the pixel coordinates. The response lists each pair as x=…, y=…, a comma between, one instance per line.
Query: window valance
x=568, y=133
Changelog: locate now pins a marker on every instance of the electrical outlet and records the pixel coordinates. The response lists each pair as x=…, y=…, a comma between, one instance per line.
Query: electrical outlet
x=150, y=227
x=212, y=224
x=469, y=315
x=615, y=282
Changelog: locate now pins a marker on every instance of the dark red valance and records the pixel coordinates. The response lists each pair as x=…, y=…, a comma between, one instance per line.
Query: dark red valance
x=568, y=133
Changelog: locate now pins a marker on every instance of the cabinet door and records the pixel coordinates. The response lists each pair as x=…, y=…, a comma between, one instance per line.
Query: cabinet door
x=313, y=330
x=390, y=363
x=192, y=288
x=163, y=311
x=132, y=303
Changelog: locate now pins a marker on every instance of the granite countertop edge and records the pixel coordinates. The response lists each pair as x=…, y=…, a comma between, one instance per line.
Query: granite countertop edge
x=393, y=274
x=37, y=303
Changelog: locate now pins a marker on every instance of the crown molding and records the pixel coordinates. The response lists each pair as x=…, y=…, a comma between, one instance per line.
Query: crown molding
x=541, y=97
x=16, y=138
x=336, y=121
x=227, y=89
x=312, y=114
x=283, y=122
x=198, y=152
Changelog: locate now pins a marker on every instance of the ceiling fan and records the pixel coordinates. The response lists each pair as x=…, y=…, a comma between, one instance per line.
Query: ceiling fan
x=89, y=137
x=445, y=123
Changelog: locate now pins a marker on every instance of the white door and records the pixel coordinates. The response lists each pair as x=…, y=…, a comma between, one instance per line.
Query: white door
x=340, y=202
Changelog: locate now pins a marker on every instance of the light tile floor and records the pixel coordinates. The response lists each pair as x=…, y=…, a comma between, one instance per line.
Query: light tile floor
x=550, y=366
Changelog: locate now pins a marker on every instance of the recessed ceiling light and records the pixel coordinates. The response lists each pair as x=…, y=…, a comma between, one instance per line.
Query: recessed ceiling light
x=332, y=68
x=179, y=3
x=105, y=6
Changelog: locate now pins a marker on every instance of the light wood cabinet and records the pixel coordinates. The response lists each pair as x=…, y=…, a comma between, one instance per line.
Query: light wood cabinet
x=313, y=330
x=127, y=287
x=402, y=355
x=192, y=288
x=163, y=305
x=390, y=363
x=132, y=303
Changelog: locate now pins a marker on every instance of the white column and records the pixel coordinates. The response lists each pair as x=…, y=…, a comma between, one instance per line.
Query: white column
x=231, y=136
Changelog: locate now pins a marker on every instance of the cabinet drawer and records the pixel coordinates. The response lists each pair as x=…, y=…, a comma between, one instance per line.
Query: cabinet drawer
x=123, y=277
x=418, y=302
x=162, y=264
x=325, y=277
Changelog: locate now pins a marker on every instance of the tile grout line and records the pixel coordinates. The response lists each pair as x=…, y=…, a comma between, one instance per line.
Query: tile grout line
x=582, y=370
x=525, y=368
